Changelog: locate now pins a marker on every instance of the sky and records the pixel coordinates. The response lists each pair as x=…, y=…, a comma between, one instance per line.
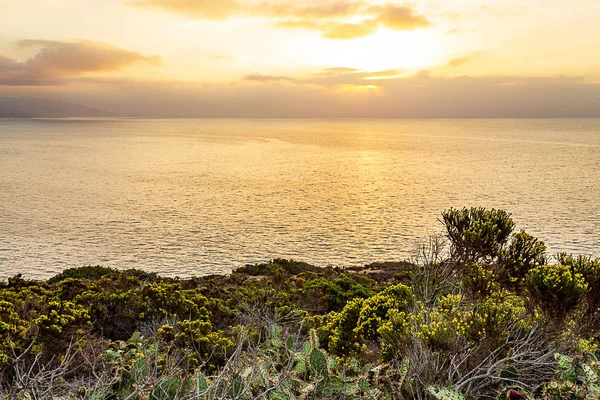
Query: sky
x=311, y=58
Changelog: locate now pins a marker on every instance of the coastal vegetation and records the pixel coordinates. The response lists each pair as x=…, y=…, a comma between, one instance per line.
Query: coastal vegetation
x=481, y=311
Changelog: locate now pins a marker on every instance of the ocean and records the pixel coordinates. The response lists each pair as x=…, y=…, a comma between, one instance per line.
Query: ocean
x=203, y=196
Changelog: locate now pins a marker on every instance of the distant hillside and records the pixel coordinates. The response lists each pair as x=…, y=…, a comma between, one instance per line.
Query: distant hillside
x=32, y=107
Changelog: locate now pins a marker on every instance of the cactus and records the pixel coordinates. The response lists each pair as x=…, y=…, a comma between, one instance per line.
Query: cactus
x=363, y=384
x=300, y=367
x=576, y=380
x=201, y=382
x=445, y=393
x=278, y=395
x=330, y=386
x=403, y=371
x=318, y=362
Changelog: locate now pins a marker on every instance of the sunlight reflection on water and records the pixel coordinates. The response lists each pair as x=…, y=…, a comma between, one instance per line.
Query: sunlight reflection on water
x=185, y=197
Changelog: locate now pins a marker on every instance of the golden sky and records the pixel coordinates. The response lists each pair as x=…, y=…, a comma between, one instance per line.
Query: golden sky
x=353, y=57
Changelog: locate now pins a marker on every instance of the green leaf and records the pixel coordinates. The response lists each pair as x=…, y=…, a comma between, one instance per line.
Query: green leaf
x=276, y=330
x=564, y=362
x=237, y=386
x=201, y=382
x=509, y=373
x=112, y=354
x=98, y=394
x=366, y=369
x=589, y=374
x=445, y=393
x=363, y=384
x=306, y=348
x=300, y=367
x=330, y=386
x=318, y=362
x=136, y=337
x=278, y=395
x=139, y=370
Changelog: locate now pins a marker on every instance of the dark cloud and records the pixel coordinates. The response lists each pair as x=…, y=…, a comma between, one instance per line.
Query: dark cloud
x=57, y=61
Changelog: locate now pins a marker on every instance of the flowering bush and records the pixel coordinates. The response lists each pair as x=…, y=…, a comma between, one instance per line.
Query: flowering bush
x=557, y=288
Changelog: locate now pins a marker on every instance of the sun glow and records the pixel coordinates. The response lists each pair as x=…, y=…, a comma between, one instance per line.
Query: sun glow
x=358, y=87
x=383, y=50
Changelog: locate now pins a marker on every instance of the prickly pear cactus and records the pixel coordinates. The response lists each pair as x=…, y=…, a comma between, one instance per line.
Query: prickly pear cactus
x=318, y=362
x=445, y=394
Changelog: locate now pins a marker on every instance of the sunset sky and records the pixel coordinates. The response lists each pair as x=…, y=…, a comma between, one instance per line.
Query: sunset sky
x=310, y=58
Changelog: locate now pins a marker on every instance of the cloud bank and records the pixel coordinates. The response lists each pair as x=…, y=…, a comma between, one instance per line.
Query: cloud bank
x=57, y=61
x=338, y=93
x=337, y=20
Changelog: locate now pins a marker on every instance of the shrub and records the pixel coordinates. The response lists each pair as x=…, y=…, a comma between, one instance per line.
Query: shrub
x=360, y=319
x=524, y=253
x=332, y=295
x=557, y=288
x=479, y=281
x=92, y=273
x=477, y=234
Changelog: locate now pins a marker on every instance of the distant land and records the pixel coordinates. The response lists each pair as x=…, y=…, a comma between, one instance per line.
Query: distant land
x=33, y=107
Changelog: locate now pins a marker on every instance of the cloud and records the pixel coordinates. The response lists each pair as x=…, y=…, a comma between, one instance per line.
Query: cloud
x=266, y=78
x=422, y=74
x=224, y=9
x=411, y=96
x=57, y=61
x=334, y=10
x=215, y=10
x=455, y=62
x=341, y=19
x=328, y=77
x=350, y=31
x=299, y=24
x=399, y=17
x=388, y=73
x=332, y=30
x=338, y=70
x=344, y=76
x=226, y=59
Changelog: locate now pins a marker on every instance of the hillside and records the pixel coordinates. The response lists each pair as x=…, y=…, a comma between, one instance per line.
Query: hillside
x=32, y=107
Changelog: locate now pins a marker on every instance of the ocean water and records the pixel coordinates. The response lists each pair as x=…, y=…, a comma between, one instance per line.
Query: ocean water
x=193, y=197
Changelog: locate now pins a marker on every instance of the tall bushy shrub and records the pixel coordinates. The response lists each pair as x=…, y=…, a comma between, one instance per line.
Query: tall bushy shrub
x=556, y=288
x=477, y=234
x=524, y=253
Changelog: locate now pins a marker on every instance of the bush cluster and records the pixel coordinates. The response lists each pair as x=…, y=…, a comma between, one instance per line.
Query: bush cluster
x=488, y=314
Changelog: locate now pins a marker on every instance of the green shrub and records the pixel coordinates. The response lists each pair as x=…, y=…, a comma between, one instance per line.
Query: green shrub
x=479, y=281
x=524, y=253
x=92, y=273
x=360, y=320
x=332, y=295
x=477, y=234
x=557, y=288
